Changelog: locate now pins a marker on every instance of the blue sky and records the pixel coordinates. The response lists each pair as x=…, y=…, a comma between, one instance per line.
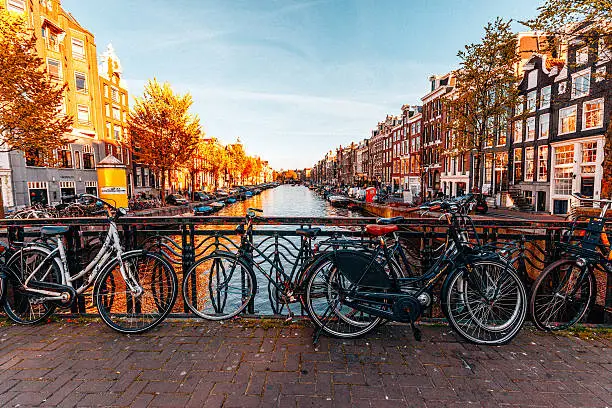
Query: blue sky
x=291, y=78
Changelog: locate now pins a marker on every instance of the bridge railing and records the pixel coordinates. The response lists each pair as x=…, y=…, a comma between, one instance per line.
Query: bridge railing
x=531, y=245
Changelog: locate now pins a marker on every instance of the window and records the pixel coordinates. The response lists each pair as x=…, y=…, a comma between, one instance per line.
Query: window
x=600, y=74
x=88, y=157
x=603, y=52
x=531, y=101
x=519, y=108
x=564, y=155
x=542, y=163
x=116, y=113
x=488, y=168
x=531, y=128
x=563, y=180
x=592, y=114
x=77, y=159
x=562, y=88
x=532, y=79
x=567, y=120
x=81, y=82
x=64, y=157
x=518, y=164
x=53, y=41
x=117, y=133
x=582, y=55
x=545, y=97
x=589, y=152
x=106, y=90
x=544, y=126
x=16, y=5
x=54, y=68
x=108, y=130
x=83, y=113
x=36, y=158
x=115, y=95
x=581, y=83
x=518, y=131
x=78, y=48
x=529, y=164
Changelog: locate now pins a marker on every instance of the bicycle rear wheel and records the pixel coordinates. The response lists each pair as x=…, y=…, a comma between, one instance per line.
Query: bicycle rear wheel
x=486, y=304
x=562, y=295
x=219, y=287
x=325, y=308
x=23, y=306
x=127, y=311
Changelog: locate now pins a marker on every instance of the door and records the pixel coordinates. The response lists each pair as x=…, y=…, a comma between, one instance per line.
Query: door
x=587, y=187
x=541, y=204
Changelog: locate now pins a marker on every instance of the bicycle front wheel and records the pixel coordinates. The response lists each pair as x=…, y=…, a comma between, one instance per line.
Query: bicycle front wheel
x=562, y=295
x=218, y=287
x=141, y=307
x=323, y=301
x=485, y=304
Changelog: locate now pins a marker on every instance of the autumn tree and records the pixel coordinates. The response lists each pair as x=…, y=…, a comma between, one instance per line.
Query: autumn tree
x=588, y=22
x=236, y=160
x=162, y=130
x=215, y=160
x=485, y=92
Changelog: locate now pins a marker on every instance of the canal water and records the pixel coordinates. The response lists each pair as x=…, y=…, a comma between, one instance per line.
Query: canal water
x=288, y=201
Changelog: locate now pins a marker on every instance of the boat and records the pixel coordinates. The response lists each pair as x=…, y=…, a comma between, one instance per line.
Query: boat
x=248, y=194
x=230, y=200
x=202, y=210
x=338, y=201
x=217, y=205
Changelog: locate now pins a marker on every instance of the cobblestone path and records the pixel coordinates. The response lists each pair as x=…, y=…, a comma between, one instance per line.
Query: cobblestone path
x=242, y=364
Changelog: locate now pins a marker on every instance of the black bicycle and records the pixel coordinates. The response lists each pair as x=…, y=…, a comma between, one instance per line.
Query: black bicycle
x=566, y=290
x=222, y=284
x=483, y=297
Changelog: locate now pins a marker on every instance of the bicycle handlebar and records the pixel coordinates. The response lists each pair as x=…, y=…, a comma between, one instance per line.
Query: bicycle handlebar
x=582, y=197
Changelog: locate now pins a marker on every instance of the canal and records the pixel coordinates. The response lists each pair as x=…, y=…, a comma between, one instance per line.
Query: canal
x=288, y=201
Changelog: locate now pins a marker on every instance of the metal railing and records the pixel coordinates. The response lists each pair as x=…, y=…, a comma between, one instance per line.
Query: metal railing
x=183, y=240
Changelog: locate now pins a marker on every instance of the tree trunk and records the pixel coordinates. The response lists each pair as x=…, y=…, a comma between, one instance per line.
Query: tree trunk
x=1, y=200
x=477, y=178
x=162, y=192
x=193, y=177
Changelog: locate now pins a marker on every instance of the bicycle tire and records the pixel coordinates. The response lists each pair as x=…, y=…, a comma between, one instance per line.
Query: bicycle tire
x=225, y=284
x=333, y=318
x=124, y=311
x=20, y=305
x=561, y=314
x=470, y=311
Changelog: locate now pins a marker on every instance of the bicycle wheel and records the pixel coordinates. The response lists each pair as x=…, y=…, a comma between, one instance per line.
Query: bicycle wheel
x=485, y=304
x=20, y=305
x=219, y=287
x=126, y=310
x=562, y=295
x=325, y=308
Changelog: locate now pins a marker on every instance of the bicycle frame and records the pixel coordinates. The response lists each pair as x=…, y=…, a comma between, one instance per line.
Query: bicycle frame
x=111, y=247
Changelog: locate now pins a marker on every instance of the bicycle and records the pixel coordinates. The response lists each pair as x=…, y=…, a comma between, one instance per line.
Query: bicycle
x=566, y=290
x=133, y=291
x=483, y=298
x=222, y=284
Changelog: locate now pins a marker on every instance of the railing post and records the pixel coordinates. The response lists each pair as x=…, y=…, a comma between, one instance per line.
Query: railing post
x=74, y=255
x=249, y=259
x=188, y=254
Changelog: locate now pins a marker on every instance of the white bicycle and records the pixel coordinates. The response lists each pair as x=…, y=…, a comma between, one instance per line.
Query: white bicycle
x=133, y=291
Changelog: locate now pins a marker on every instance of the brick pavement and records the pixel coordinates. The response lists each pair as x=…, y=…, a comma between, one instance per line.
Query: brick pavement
x=242, y=364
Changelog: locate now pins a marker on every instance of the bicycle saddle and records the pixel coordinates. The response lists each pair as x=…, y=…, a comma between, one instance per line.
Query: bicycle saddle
x=308, y=232
x=387, y=221
x=378, y=230
x=53, y=230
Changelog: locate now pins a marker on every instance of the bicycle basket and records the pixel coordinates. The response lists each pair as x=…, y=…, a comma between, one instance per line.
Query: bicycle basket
x=360, y=269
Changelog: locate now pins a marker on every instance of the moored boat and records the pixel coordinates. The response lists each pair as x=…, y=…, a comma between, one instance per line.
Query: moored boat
x=338, y=201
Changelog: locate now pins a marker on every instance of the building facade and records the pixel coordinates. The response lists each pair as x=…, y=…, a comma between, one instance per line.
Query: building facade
x=69, y=53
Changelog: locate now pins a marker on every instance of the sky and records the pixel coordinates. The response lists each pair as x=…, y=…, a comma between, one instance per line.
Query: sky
x=291, y=78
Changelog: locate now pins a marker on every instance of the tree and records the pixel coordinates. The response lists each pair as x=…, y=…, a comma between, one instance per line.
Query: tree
x=215, y=159
x=30, y=117
x=236, y=158
x=484, y=94
x=589, y=22
x=162, y=130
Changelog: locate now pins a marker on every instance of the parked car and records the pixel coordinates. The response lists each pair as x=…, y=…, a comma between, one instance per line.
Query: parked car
x=175, y=199
x=201, y=196
x=221, y=193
